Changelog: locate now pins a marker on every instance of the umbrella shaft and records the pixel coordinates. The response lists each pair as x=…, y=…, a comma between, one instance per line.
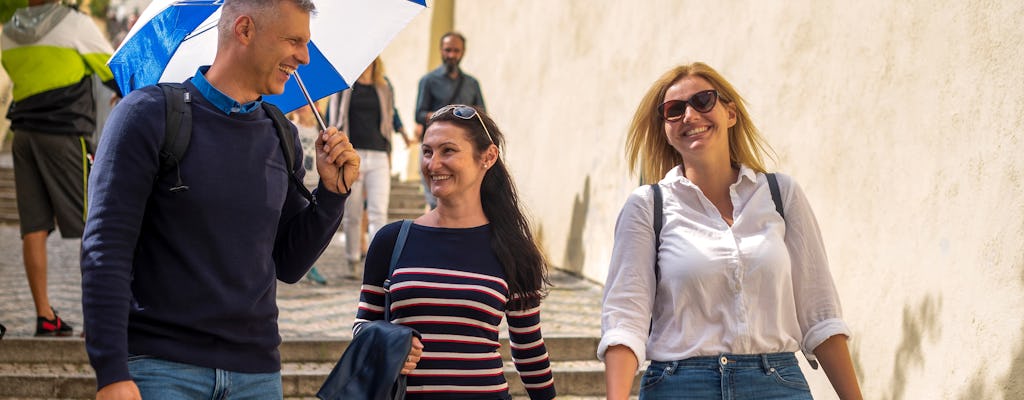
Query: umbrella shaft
x=319, y=118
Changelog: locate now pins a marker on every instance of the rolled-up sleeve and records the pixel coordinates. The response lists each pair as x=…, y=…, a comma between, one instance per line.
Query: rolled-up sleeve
x=629, y=289
x=819, y=312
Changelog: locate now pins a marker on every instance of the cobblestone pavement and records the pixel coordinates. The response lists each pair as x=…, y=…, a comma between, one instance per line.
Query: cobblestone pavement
x=307, y=310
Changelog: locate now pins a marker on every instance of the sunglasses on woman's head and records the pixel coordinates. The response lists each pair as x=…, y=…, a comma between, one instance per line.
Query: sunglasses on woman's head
x=702, y=102
x=464, y=112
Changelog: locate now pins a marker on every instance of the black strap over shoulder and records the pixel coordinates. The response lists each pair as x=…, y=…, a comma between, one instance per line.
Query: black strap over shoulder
x=179, y=129
x=658, y=221
x=773, y=185
x=403, y=234
x=287, y=140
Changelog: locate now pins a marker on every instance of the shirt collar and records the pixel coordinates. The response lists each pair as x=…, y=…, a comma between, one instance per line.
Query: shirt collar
x=676, y=174
x=220, y=100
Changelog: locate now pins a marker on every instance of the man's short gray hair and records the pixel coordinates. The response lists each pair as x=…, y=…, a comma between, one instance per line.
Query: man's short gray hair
x=232, y=9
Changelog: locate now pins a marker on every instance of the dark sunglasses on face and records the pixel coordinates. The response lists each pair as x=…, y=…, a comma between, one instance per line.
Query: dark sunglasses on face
x=702, y=102
x=464, y=112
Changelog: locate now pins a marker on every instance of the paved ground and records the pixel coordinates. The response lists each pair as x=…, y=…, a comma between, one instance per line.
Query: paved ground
x=307, y=309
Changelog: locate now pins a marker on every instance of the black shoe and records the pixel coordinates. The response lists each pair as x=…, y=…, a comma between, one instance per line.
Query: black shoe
x=54, y=327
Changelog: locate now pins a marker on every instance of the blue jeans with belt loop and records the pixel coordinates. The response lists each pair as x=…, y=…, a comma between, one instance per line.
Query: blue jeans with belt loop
x=775, y=376
x=159, y=379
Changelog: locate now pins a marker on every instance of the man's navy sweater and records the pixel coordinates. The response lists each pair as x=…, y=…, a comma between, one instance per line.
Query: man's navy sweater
x=192, y=276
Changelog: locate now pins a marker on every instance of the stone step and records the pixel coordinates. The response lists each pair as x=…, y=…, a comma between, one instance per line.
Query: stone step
x=27, y=350
x=58, y=368
x=300, y=380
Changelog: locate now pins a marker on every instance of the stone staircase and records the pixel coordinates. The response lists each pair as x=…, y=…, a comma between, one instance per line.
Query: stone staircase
x=38, y=368
x=8, y=207
x=406, y=201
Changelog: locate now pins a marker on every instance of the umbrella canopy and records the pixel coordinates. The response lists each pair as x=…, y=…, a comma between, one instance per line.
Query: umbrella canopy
x=172, y=38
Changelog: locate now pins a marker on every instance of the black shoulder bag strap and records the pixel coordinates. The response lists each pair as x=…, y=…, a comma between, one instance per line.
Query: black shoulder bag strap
x=287, y=140
x=403, y=234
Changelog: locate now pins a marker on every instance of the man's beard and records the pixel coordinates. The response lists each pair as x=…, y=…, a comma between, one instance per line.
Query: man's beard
x=451, y=65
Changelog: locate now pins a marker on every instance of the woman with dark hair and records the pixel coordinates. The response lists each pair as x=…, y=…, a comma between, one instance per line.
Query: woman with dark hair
x=724, y=279
x=465, y=265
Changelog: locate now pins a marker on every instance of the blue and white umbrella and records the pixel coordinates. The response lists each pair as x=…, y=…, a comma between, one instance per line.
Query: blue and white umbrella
x=172, y=38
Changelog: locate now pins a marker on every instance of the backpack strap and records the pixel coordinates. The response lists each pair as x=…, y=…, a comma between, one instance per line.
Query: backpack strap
x=403, y=234
x=287, y=140
x=178, y=132
x=658, y=217
x=773, y=185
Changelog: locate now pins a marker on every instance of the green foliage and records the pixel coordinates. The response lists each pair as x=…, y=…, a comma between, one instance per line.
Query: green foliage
x=7, y=8
x=98, y=8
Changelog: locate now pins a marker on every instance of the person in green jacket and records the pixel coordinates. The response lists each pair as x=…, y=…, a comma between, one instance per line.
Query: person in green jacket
x=51, y=52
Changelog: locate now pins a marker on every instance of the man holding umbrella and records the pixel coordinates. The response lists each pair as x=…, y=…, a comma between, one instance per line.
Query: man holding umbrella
x=179, y=269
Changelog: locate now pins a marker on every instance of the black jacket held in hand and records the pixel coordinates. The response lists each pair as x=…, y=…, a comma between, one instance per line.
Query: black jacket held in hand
x=372, y=361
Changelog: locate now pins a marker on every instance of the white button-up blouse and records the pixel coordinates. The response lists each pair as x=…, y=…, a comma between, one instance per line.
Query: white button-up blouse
x=760, y=286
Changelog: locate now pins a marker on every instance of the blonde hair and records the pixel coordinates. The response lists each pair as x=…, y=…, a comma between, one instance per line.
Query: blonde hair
x=647, y=148
x=378, y=72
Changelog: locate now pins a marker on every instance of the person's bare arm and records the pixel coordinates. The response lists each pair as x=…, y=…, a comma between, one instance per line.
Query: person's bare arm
x=125, y=390
x=620, y=366
x=835, y=360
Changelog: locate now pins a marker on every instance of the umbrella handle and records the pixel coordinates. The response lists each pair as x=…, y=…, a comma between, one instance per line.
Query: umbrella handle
x=319, y=121
x=319, y=118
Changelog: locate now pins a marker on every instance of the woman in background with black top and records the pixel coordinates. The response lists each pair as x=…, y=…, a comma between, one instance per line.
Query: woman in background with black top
x=366, y=112
x=465, y=265
x=741, y=287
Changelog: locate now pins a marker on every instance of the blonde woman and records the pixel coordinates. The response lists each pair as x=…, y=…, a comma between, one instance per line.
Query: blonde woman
x=366, y=112
x=721, y=299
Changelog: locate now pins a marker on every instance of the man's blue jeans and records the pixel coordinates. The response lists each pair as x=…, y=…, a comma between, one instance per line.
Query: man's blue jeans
x=726, y=377
x=165, y=380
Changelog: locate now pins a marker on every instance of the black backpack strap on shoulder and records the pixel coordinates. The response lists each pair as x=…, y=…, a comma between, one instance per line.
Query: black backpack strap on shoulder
x=658, y=217
x=287, y=140
x=178, y=131
x=403, y=234
x=773, y=185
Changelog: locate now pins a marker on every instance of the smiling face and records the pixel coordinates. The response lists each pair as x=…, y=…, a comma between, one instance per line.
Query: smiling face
x=453, y=167
x=278, y=47
x=698, y=134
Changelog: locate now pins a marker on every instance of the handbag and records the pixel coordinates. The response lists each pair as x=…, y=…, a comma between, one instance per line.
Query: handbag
x=371, y=366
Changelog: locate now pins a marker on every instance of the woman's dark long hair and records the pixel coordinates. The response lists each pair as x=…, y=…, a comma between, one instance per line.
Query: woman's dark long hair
x=511, y=239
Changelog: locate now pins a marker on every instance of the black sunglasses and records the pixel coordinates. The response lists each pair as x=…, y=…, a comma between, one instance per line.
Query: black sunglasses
x=465, y=112
x=702, y=102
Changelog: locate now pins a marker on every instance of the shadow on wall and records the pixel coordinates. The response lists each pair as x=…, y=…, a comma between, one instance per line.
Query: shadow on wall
x=918, y=323
x=1013, y=385
x=575, y=255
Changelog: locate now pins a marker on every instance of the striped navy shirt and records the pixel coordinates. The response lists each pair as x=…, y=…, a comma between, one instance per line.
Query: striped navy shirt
x=450, y=287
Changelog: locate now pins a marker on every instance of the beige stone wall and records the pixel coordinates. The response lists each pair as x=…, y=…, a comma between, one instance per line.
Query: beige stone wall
x=901, y=120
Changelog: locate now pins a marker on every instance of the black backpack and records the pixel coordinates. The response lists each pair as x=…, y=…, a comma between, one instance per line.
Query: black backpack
x=178, y=133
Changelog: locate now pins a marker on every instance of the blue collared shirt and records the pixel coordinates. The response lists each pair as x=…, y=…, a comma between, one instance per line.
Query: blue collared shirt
x=220, y=100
